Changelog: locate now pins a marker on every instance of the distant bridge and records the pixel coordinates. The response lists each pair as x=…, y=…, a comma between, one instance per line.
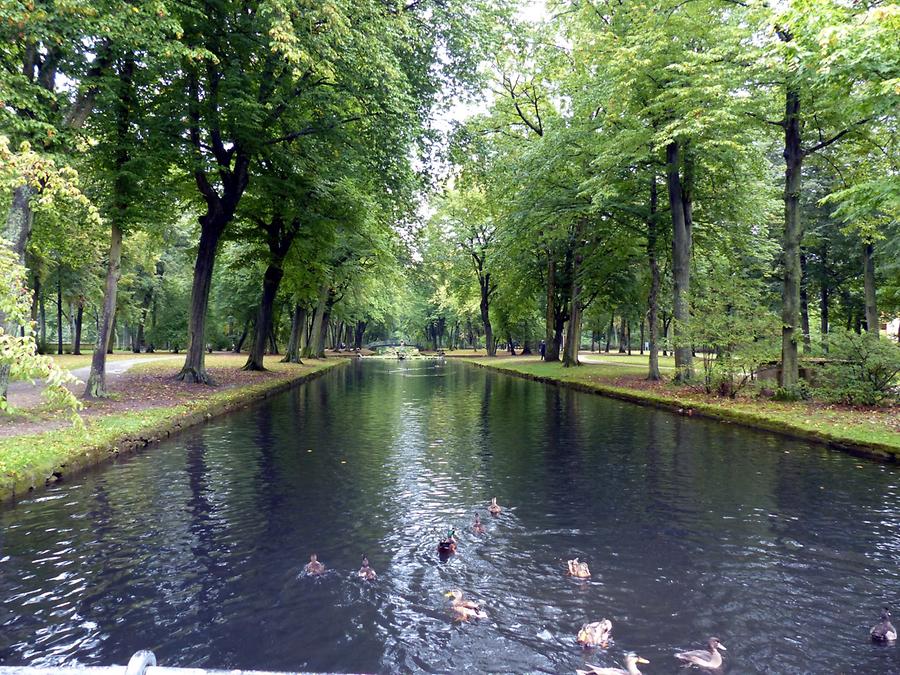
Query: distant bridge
x=391, y=343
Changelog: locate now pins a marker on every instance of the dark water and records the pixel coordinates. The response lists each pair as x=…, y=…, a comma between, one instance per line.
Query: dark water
x=785, y=551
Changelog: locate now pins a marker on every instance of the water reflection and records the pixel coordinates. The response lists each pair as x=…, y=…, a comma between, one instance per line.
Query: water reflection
x=691, y=528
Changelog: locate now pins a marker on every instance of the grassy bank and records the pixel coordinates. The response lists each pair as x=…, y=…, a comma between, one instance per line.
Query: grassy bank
x=872, y=432
x=148, y=405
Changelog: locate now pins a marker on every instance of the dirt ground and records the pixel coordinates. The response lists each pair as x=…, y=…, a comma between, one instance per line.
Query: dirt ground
x=145, y=386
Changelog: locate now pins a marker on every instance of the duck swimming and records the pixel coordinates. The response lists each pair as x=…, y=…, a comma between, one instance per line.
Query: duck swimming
x=494, y=509
x=477, y=526
x=705, y=658
x=366, y=572
x=447, y=546
x=884, y=630
x=631, y=661
x=595, y=634
x=465, y=610
x=578, y=569
x=314, y=567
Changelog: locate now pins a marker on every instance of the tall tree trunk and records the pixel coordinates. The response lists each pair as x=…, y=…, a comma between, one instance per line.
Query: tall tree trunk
x=140, y=338
x=681, y=262
x=113, y=337
x=551, y=353
x=804, y=304
x=337, y=332
x=573, y=337
x=793, y=233
x=610, y=332
x=485, y=283
x=194, y=368
x=79, y=321
x=271, y=281
x=19, y=220
x=824, y=299
x=869, y=289
x=298, y=326
x=42, y=318
x=243, y=337
x=96, y=382
x=72, y=327
x=311, y=348
x=653, y=299
x=559, y=324
x=361, y=331
x=326, y=319
x=59, y=314
x=622, y=348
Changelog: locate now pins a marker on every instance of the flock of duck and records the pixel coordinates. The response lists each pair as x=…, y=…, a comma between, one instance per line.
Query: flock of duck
x=595, y=634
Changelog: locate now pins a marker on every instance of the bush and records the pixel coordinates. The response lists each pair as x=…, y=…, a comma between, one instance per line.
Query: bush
x=797, y=392
x=864, y=371
x=734, y=331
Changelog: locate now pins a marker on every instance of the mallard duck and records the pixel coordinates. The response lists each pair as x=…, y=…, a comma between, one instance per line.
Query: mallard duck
x=631, y=661
x=314, y=567
x=477, y=526
x=465, y=610
x=884, y=630
x=705, y=658
x=578, y=569
x=595, y=634
x=447, y=546
x=366, y=572
x=494, y=509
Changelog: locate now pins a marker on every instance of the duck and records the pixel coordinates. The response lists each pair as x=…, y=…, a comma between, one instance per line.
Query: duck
x=494, y=509
x=314, y=567
x=447, y=546
x=578, y=569
x=595, y=634
x=465, y=610
x=631, y=661
x=705, y=658
x=477, y=526
x=884, y=630
x=366, y=572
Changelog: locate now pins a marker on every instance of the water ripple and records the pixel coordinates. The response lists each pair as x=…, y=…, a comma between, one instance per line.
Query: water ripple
x=195, y=549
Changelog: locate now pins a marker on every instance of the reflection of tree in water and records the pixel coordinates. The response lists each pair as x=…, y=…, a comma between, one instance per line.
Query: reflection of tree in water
x=210, y=571
x=268, y=492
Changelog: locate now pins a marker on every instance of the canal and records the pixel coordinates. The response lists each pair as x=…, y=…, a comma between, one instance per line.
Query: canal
x=784, y=550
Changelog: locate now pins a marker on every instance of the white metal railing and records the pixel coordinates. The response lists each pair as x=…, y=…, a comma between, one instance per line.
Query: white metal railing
x=141, y=663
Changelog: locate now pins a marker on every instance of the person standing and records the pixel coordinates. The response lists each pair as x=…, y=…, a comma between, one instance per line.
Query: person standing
x=543, y=349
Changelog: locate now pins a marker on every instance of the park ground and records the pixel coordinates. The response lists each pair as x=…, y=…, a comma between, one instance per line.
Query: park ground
x=871, y=431
x=38, y=446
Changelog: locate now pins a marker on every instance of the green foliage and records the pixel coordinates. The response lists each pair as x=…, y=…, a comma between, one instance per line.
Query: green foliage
x=863, y=369
x=734, y=330
x=797, y=392
x=18, y=351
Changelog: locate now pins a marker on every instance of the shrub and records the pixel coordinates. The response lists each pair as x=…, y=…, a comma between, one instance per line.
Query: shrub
x=798, y=392
x=864, y=370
